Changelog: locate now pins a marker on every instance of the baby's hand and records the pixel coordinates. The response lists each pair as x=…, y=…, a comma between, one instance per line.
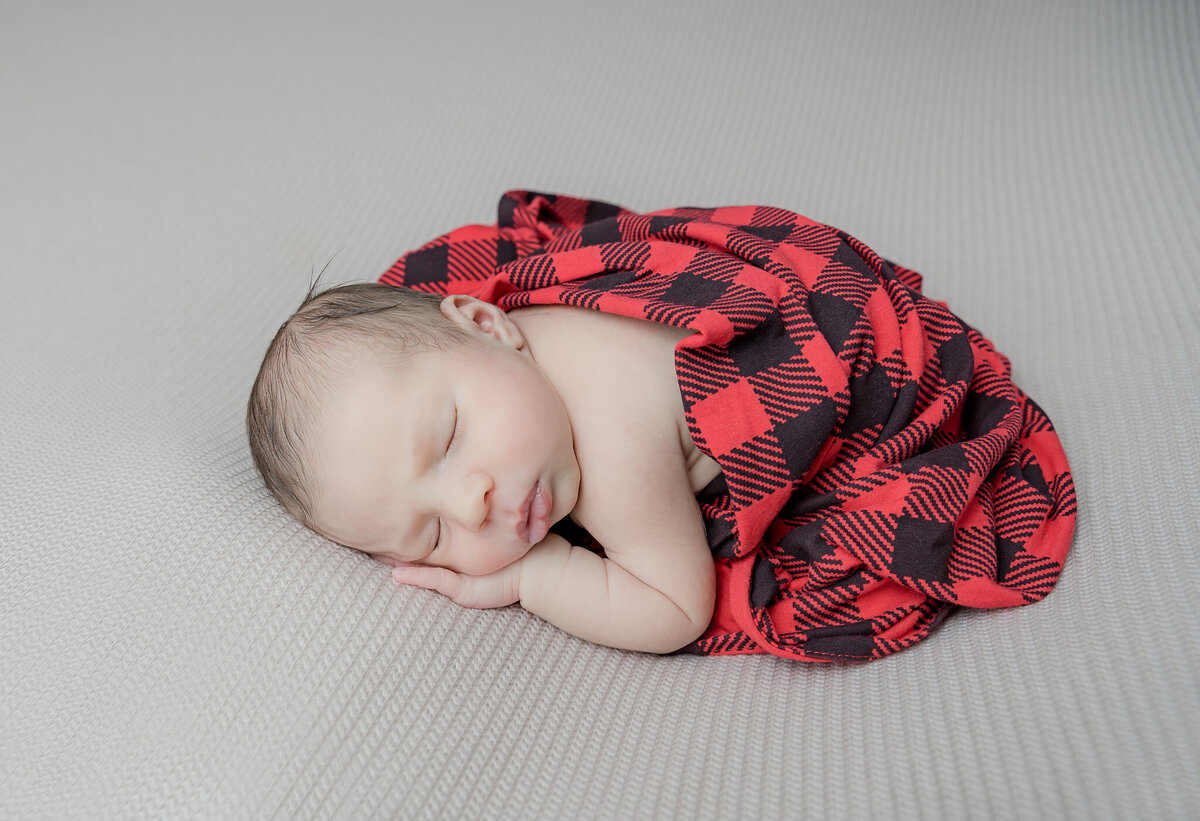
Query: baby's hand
x=497, y=589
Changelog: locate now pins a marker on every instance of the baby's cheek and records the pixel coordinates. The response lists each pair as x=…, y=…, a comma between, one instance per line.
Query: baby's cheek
x=388, y=560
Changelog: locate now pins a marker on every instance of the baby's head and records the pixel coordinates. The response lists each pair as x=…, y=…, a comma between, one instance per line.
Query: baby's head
x=331, y=332
x=414, y=428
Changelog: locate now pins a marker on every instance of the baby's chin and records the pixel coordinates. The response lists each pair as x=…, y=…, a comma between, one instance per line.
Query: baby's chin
x=565, y=498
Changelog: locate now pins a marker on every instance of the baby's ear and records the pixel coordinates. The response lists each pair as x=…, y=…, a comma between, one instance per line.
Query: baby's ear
x=476, y=316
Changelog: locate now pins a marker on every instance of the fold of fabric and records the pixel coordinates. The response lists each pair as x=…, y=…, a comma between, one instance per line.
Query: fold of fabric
x=880, y=468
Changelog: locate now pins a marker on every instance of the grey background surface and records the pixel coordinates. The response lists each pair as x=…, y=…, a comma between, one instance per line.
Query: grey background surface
x=172, y=645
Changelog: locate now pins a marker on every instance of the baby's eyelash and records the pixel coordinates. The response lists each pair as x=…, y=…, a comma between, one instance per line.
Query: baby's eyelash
x=437, y=542
x=454, y=431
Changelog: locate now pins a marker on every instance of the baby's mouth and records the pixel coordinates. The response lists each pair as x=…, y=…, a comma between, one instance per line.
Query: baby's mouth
x=535, y=518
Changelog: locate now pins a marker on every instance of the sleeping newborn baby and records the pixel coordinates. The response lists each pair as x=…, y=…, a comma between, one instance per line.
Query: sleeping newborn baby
x=748, y=431
x=445, y=438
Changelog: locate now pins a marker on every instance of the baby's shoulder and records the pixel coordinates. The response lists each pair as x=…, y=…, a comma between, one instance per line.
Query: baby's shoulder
x=603, y=364
x=569, y=322
x=588, y=350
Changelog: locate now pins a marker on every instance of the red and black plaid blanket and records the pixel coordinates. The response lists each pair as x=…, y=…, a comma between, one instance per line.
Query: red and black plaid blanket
x=880, y=468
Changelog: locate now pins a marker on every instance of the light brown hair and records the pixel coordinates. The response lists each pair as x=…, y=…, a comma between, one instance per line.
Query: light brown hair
x=329, y=330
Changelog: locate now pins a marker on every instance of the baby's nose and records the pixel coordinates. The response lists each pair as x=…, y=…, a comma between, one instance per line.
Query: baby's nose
x=476, y=501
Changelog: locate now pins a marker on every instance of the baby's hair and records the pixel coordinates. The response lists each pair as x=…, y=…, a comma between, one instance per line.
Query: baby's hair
x=327, y=333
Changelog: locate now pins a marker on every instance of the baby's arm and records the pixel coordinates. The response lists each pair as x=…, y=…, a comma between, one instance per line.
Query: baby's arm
x=655, y=590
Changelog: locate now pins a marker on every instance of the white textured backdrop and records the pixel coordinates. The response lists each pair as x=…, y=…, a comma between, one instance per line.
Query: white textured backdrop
x=172, y=645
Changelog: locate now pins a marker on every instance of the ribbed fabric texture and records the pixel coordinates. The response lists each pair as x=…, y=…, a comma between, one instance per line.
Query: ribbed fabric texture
x=173, y=645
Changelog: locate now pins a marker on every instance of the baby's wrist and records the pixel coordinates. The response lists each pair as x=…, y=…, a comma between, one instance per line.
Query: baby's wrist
x=542, y=565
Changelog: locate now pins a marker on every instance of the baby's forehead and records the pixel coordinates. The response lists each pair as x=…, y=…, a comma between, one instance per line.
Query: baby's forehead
x=333, y=362
x=360, y=394
x=367, y=390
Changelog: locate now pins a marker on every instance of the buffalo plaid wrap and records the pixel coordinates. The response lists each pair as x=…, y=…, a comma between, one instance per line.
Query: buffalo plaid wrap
x=880, y=468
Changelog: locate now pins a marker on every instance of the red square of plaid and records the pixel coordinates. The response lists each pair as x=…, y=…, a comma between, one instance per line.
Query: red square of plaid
x=723, y=432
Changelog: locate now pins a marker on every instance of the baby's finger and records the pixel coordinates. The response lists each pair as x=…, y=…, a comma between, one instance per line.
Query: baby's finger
x=444, y=581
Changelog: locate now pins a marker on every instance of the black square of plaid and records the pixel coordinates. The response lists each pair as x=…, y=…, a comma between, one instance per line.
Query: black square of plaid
x=599, y=210
x=1006, y=555
x=922, y=549
x=802, y=435
x=804, y=541
x=955, y=359
x=764, y=346
x=695, y=290
x=871, y=400
x=764, y=585
x=660, y=226
x=948, y=456
x=597, y=233
x=428, y=265
x=981, y=412
x=772, y=233
x=834, y=316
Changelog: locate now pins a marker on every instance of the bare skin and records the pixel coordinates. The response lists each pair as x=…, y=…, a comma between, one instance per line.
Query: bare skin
x=451, y=468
